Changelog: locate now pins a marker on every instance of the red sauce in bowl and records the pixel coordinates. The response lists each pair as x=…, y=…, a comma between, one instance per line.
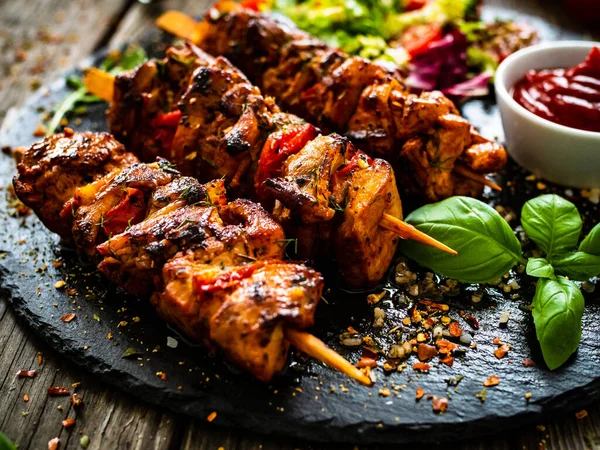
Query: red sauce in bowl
x=569, y=97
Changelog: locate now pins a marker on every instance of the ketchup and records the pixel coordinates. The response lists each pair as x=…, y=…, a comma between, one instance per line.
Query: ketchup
x=569, y=97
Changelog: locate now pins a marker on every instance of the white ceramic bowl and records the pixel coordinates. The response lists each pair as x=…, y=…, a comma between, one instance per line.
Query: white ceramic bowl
x=554, y=152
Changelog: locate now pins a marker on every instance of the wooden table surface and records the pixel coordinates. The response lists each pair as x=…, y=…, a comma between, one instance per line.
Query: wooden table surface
x=38, y=40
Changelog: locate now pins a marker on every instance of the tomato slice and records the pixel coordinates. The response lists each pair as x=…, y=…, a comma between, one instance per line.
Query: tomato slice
x=417, y=38
x=165, y=126
x=129, y=211
x=411, y=5
x=280, y=146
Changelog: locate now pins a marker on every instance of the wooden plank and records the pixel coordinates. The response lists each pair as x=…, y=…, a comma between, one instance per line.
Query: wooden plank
x=41, y=38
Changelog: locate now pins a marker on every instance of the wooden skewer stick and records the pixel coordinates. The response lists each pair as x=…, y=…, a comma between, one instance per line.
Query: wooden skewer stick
x=407, y=231
x=100, y=83
x=474, y=176
x=313, y=346
x=180, y=25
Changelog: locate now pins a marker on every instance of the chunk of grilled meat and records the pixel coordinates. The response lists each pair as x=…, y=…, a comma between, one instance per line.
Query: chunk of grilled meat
x=242, y=310
x=329, y=175
x=216, y=264
x=361, y=99
x=143, y=112
x=50, y=171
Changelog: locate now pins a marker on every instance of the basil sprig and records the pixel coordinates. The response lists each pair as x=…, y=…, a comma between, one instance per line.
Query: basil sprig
x=487, y=249
x=486, y=245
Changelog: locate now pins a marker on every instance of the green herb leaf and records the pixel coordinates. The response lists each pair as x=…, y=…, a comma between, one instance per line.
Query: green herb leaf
x=132, y=57
x=591, y=243
x=553, y=223
x=486, y=245
x=540, y=267
x=557, y=311
x=579, y=266
x=130, y=353
x=6, y=444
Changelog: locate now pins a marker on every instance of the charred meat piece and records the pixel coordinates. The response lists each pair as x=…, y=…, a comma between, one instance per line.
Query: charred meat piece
x=242, y=310
x=362, y=99
x=50, y=171
x=117, y=205
x=364, y=250
x=144, y=114
x=223, y=116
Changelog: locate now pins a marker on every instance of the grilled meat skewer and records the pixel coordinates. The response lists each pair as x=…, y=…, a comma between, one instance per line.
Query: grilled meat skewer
x=212, y=267
x=423, y=136
x=221, y=126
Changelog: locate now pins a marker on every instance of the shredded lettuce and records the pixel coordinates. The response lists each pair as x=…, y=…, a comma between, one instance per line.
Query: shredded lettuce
x=437, y=11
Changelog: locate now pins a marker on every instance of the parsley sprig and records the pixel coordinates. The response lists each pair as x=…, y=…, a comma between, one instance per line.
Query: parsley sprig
x=115, y=62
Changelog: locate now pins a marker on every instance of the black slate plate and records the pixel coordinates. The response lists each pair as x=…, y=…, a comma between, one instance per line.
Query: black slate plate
x=309, y=400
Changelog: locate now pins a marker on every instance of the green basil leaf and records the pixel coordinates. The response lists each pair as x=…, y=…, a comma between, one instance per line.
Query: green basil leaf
x=591, y=243
x=6, y=444
x=486, y=245
x=540, y=267
x=579, y=266
x=553, y=223
x=557, y=311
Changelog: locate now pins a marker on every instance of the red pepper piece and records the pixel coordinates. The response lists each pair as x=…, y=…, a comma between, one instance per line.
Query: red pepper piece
x=165, y=126
x=280, y=146
x=130, y=210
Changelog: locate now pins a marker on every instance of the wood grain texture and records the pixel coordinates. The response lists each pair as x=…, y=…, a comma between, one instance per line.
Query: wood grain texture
x=112, y=419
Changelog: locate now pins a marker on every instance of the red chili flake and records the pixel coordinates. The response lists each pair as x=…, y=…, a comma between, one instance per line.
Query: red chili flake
x=76, y=401
x=58, y=390
x=67, y=317
x=423, y=367
x=26, y=373
x=368, y=359
x=528, y=362
x=472, y=320
x=161, y=375
x=53, y=444
x=581, y=414
x=455, y=329
x=26, y=398
x=445, y=346
x=351, y=330
x=420, y=393
x=501, y=351
x=68, y=423
x=493, y=380
x=448, y=360
x=439, y=404
x=212, y=416
x=433, y=305
x=425, y=352
x=496, y=341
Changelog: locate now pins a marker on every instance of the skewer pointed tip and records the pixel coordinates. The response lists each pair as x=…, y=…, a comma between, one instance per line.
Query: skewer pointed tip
x=407, y=231
x=477, y=177
x=313, y=346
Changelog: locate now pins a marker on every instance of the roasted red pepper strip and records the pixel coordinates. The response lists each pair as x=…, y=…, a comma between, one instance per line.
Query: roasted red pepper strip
x=280, y=146
x=165, y=126
x=224, y=280
x=352, y=165
x=130, y=210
